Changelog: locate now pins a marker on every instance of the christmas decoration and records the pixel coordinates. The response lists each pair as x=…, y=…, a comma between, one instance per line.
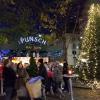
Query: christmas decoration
x=32, y=39
x=89, y=58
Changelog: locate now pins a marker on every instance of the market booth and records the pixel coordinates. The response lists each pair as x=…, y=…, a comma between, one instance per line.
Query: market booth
x=25, y=60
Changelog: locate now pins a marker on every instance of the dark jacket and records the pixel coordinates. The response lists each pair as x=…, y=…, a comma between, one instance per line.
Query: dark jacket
x=9, y=77
x=42, y=72
x=65, y=68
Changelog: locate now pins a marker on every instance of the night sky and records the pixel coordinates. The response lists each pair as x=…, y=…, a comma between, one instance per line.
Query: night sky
x=12, y=13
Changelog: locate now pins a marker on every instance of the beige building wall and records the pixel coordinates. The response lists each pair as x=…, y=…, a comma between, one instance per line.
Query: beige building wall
x=73, y=47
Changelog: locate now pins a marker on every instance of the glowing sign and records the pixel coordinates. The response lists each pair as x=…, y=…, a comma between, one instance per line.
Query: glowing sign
x=32, y=39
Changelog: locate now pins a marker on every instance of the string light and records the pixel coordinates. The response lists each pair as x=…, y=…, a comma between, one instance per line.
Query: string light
x=89, y=46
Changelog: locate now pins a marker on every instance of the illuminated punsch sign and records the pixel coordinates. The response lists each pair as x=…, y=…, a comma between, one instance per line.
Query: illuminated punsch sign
x=32, y=39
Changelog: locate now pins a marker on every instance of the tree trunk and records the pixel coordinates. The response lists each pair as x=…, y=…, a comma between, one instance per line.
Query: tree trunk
x=66, y=41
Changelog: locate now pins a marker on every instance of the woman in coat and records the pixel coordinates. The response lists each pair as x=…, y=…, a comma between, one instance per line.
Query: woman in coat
x=21, y=75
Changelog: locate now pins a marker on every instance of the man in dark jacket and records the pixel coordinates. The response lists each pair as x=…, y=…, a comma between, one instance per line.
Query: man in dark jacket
x=9, y=77
x=66, y=80
x=42, y=71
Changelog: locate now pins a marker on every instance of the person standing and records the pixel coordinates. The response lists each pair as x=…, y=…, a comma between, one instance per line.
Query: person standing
x=9, y=77
x=57, y=78
x=49, y=78
x=32, y=68
x=42, y=71
x=66, y=79
x=22, y=75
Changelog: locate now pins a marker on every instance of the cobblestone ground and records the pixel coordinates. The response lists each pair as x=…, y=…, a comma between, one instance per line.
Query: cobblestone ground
x=80, y=94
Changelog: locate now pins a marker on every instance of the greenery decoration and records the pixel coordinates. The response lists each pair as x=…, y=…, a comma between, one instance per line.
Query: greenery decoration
x=89, y=58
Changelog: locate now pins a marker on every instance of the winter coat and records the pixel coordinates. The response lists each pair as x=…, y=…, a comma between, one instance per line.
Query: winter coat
x=22, y=72
x=50, y=74
x=22, y=77
x=65, y=68
x=9, y=77
x=42, y=72
x=57, y=74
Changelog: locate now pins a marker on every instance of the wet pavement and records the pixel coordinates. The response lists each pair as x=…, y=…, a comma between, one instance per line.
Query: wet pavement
x=79, y=94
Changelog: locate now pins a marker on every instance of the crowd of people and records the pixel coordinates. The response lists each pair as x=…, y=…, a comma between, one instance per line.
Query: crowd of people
x=15, y=76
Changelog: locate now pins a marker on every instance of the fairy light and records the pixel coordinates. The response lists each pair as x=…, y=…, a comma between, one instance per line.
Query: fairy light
x=89, y=46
